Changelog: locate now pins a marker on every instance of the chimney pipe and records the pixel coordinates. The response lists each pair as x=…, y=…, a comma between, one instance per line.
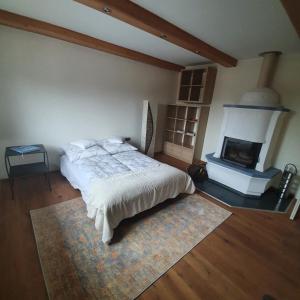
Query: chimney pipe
x=268, y=67
x=264, y=95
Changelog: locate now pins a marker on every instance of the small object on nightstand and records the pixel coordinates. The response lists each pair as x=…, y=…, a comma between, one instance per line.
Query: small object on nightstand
x=21, y=170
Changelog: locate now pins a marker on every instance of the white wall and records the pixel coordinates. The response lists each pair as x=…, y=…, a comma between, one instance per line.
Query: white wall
x=52, y=92
x=231, y=83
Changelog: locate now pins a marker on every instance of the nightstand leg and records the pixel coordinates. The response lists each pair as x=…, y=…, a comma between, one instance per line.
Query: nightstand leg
x=11, y=183
x=48, y=181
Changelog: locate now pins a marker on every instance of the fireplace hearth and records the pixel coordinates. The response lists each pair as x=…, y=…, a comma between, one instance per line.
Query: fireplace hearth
x=240, y=152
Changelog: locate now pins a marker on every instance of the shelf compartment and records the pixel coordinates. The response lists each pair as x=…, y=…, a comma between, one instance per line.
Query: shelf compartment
x=186, y=77
x=192, y=114
x=188, y=142
x=180, y=126
x=171, y=111
x=170, y=124
x=198, y=77
x=169, y=136
x=33, y=168
x=178, y=138
x=184, y=93
x=195, y=94
x=181, y=112
x=190, y=128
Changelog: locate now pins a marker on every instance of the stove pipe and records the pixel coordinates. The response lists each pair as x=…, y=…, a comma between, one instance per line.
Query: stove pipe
x=263, y=95
x=268, y=67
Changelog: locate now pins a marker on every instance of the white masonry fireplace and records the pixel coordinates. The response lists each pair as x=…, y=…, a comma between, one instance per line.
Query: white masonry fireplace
x=244, y=154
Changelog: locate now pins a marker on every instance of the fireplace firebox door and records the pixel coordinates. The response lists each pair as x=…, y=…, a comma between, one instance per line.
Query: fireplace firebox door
x=240, y=152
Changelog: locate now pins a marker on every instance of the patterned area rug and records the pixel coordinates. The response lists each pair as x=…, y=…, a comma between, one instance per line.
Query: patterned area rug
x=76, y=265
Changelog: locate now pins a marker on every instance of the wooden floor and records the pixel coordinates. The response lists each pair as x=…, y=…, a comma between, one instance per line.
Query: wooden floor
x=251, y=254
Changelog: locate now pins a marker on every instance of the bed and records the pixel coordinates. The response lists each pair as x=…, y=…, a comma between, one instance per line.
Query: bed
x=118, y=185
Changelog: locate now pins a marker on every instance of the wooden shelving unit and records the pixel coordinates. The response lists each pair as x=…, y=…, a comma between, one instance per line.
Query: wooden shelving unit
x=186, y=121
x=196, y=86
x=181, y=132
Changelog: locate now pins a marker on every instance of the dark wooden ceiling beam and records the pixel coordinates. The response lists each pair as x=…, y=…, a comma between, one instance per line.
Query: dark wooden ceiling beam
x=292, y=8
x=36, y=26
x=139, y=17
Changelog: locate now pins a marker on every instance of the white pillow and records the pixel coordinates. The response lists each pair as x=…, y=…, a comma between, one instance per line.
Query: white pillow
x=84, y=143
x=118, y=148
x=111, y=140
x=74, y=153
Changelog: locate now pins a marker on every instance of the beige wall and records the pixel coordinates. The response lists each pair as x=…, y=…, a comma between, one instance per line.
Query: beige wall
x=231, y=83
x=52, y=92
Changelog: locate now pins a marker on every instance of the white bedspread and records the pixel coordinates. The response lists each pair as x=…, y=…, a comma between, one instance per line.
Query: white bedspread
x=119, y=186
x=135, y=161
x=122, y=196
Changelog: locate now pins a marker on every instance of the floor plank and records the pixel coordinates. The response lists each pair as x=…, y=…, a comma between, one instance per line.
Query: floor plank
x=251, y=254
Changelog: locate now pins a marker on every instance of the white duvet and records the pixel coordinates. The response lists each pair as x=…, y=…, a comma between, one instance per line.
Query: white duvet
x=125, y=184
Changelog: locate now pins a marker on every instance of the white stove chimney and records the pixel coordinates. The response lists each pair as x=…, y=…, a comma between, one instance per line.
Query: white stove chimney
x=263, y=95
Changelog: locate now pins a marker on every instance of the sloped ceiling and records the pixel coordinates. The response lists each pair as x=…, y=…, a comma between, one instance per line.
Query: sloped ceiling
x=240, y=28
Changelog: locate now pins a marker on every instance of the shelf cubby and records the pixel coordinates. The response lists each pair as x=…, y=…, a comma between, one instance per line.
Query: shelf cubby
x=197, y=77
x=186, y=77
x=181, y=112
x=171, y=111
x=178, y=138
x=180, y=126
x=170, y=124
x=192, y=114
x=169, y=135
x=190, y=128
x=184, y=93
x=188, y=142
x=195, y=93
